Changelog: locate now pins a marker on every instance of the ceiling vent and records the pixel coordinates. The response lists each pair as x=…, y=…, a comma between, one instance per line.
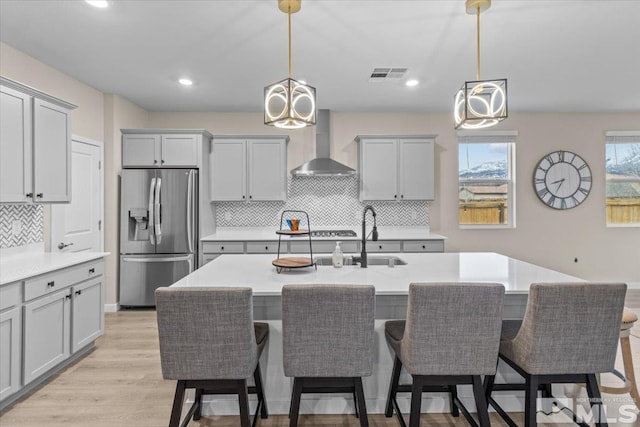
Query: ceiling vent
x=381, y=75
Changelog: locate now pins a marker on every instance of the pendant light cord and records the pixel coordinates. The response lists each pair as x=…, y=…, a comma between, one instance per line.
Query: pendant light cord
x=289, y=15
x=477, y=40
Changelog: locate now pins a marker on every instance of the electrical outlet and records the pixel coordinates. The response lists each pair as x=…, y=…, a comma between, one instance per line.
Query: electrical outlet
x=414, y=214
x=227, y=216
x=16, y=227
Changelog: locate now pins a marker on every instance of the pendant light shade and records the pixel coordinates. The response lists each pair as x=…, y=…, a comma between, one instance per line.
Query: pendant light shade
x=481, y=103
x=289, y=104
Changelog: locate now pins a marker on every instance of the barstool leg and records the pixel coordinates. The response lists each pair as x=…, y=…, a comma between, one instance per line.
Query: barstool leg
x=481, y=402
x=416, y=402
x=453, y=393
x=198, y=413
x=362, y=407
x=176, y=410
x=295, y=402
x=257, y=378
x=393, y=387
x=628, y=368
x=595, y=399
x=243, y=401
x=530, y=398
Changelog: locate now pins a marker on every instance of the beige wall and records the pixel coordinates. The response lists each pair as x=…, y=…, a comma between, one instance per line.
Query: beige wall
x=543, y=236
x=119, y=114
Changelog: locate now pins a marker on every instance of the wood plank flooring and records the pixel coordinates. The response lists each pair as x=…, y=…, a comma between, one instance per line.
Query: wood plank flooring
x=120, y=384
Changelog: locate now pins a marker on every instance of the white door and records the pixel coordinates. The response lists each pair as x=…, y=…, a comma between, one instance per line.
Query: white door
x=78, y=225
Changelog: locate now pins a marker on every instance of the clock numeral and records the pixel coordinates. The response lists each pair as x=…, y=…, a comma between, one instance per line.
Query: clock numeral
x=585, y=178
x=563, y=204
x=573, y=158
x=574, y=200
x=584, y=191
x=543, y=192
x=549, y=159
x=561, y=155
x=552, y=200
x=539, y=180
x=584, y=165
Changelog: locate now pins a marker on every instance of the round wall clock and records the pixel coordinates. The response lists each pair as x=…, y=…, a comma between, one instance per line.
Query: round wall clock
x=562, y=180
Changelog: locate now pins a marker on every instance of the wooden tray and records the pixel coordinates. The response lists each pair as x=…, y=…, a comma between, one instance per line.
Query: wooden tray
x=292, y=233
x=292, y=262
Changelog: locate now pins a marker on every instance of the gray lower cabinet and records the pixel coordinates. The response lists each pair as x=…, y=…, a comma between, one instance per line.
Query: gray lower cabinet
x=10, y=351
x=47, y=330
x=87, y=313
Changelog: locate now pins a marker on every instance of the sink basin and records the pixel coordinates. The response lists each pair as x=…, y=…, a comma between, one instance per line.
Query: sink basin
x=371, y=260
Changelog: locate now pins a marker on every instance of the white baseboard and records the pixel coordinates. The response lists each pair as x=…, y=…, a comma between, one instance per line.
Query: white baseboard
x=111, y=308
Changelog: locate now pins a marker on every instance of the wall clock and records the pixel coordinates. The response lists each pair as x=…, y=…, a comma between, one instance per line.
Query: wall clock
x=562, y=180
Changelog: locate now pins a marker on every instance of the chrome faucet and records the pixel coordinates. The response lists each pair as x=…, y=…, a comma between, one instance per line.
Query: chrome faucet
x=374, y=235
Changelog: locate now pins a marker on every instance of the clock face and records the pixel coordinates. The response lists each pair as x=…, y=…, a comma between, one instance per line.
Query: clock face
x=562, y=180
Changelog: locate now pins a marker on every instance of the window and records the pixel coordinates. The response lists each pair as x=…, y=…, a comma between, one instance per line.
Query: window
x=623, y=179
x=486, y=179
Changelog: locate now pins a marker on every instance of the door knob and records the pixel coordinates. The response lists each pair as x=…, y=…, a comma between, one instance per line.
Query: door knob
x=63, y=245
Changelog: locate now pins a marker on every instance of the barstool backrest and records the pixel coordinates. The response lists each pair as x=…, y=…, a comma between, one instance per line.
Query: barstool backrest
x=570, y=328
x=328, y=330
x=206, y=333
x=452, y=328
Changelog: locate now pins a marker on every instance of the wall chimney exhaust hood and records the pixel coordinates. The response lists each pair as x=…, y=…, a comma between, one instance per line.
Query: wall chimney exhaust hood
x=322, y=165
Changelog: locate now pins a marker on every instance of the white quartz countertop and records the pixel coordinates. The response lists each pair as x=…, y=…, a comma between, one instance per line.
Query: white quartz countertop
x=245, y=234
x=29, y=264
x=257, y=272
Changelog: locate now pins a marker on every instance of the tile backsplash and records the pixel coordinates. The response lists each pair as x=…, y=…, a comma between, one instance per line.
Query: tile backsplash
x=329, y=201
x=28, y=222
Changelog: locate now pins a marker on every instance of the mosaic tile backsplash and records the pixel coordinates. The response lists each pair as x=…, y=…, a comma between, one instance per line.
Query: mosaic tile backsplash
x=329, y=201
x=31, y=221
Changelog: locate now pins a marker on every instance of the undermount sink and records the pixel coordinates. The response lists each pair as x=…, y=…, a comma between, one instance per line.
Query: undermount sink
x=372, y=260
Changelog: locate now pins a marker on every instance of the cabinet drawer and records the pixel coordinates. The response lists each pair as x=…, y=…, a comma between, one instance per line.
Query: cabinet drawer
x=223, y=247
x=265, y=247
x=383, y=246
x=56, y=280
x=10, y=295
x=323, y=247
x=424, y=246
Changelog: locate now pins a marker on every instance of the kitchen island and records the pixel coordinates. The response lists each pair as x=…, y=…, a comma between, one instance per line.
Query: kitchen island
x=392, y=285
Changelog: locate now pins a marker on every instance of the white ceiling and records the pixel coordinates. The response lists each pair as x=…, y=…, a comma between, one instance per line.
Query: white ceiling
x=558, y=55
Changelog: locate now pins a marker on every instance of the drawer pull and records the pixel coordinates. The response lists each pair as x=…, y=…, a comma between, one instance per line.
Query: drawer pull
x=380, y=246
x=424, y=247
x=79, y=292
x=51, y=284
x=266, y=248
x=39, y=195
x=68, y=296
x=93, y=270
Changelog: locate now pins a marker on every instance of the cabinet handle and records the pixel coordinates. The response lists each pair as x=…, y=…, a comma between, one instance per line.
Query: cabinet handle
x=51, y=284
x=402, y=196
x=243, y=197
x=266, y=248
x=380, y=246
x=30, y=195
x=424, y=247
x=155, y=162
x=67, y=296
x=222, y=248
x=162, y=161
x=39, y=195
x=79, y=292
x=92, y=270
x=395, y=196
x=251, y=197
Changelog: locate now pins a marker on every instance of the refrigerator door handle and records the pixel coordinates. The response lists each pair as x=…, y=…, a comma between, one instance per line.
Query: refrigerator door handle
x=190, y=211
x=161, y=259
x=151, y=215
x=156, y=205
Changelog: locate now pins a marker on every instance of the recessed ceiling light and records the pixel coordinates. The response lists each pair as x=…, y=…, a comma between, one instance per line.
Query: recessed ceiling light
x=98, y=3
x=412, y=82
x=185, y=82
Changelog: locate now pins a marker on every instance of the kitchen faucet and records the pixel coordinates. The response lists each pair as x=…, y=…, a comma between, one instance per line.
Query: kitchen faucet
x=374, y=235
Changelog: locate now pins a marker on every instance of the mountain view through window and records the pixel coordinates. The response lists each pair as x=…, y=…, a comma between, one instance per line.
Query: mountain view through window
x=623, y=184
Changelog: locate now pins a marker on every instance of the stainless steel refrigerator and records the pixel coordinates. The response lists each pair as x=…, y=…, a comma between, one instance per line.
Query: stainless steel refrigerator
x=158, y=231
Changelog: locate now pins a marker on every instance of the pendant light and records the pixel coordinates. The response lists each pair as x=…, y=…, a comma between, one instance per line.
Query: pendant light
x=289, y=104
x=480, y=103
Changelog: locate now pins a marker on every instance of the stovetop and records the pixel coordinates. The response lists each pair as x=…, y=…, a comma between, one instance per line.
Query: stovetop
x=333, y=233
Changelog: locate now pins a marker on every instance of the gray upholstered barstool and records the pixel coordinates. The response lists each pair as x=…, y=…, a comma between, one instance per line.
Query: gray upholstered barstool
x=451, y=336
x=327, y=335
x=209, y=342
x=568, y=335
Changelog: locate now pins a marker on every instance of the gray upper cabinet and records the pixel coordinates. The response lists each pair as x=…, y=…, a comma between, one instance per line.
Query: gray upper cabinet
x=396, y=167
x=160, y=149
x=35, y=145
x=248, y=168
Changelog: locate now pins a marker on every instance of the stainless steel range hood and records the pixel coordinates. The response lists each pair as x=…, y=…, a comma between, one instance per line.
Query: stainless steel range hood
x=322, y=165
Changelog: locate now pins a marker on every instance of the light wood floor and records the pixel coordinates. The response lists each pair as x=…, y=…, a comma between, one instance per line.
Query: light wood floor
x=120, y=384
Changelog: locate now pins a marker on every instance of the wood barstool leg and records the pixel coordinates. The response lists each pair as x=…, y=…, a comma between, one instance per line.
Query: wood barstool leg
x=453, y=394
x=295, y=402
x=243, y=401
x=530, y=398
x=629, y=372
x=362, y=406
x=393, y=387
x=198, y=413
x=481, y=402
x=416, y=402
x=595, y=399
x=176, y=410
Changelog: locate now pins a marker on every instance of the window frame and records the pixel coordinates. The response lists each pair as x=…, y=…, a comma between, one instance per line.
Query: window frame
x=618, y=137
x=491, y=137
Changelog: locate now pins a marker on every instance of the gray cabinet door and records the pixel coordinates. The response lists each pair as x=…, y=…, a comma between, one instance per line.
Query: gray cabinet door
x=87, y=313
x=15, y=146
x=228, y=161
x=51, y=152
x=267, y=165
x=179, y=150
x=416, y=170
x=378, y=169
x=46, y=333
x=10, y=352
x=140, y=150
